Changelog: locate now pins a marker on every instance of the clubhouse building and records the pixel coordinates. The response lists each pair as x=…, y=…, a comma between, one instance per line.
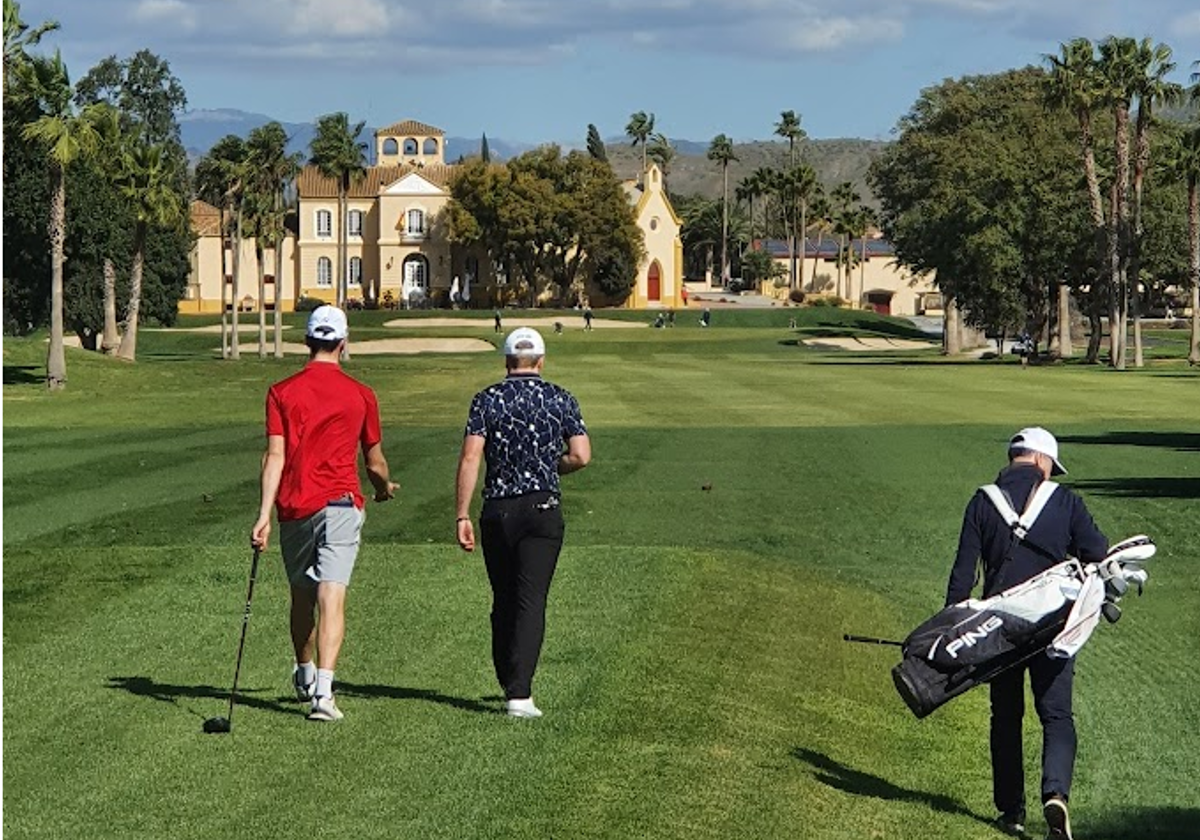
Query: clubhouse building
x=398, y=251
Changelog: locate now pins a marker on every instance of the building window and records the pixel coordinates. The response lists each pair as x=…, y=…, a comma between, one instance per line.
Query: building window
x=354, y=273
x=431, y=147
x=410, y=146
x=416, y=223
x=324, y=224
x=354, y=221
x=390, y=146
x=324, y=273
x=654, y=223
x=416, y=273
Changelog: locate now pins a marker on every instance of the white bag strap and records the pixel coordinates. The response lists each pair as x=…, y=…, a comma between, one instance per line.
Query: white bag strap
x=1021, y=524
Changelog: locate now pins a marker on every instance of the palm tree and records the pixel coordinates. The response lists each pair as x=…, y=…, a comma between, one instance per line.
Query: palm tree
x=638, y=129
x=66, y=134
x=147, y=177
x=1118, y=68
x=1151, y=88
x=822, y=216
x=220, y=180
x=789, y=128
x=1183, y=161
x=270, y=169
x=1075, y=85
x=845, y=204
x=702, y=229
x=19, y=37
x=721, y=151
x=660, y=150
x=339, y=154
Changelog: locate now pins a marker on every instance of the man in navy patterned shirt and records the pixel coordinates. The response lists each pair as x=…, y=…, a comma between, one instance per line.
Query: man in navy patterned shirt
x=530, y=432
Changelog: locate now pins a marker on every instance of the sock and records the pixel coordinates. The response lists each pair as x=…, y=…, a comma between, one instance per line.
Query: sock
x=324, y=683
x=307, y=671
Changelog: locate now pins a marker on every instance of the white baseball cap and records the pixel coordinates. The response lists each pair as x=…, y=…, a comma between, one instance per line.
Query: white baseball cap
x=524, y=341
x=328, y=323
x=1037, y=439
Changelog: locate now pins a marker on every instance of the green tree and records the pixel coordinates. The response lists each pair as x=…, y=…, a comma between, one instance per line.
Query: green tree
x=65, y=134
x=720, y=151
x=19, y=37
x=660, y=150
x=595, y=145
x=338, y=153
x=485, y=151
x=1183, y=161
x=701, y=232
x=270, y=171
x=638, y=130
x=145, y=93
x=221, y=181
x=845, y=220
x=147, y=178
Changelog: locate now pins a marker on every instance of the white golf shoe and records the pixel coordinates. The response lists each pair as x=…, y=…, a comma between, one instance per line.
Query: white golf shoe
x=324, y=709
x=522, y=708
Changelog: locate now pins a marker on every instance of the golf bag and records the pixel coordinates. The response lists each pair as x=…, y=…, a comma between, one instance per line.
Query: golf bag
x=971, y=642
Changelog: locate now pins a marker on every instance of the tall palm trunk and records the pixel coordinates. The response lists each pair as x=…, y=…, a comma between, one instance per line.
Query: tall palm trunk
x=1114, y=282
x=56, y=358
x=340, y=294
x=278, y=297
x=1065, y=350
x=1096, y=334
x=235, y=351
x=128, y=348
x=1194, y=265
x=1099, y=229
x=862, y=271
x=260, y=259
x=725, y=224
x=1141, y=160
x=1121, y=228
x=110, y=338
x=803, y=249
x=224, y=287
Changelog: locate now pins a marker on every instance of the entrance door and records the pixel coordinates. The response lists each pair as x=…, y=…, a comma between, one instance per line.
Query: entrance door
x=654, y=282
x=881, y=302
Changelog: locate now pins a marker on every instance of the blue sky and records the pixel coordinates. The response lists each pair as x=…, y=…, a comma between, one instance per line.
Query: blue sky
x=541, y=70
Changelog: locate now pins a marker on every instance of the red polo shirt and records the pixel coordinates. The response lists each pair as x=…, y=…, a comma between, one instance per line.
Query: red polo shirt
x=324, y=417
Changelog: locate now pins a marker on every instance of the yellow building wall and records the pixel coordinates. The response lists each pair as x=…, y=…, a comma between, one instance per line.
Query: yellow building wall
x=877, y=274
x=203, y=292
x=660, y=230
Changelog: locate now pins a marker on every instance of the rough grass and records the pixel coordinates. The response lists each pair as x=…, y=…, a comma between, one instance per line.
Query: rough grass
x=694, y=679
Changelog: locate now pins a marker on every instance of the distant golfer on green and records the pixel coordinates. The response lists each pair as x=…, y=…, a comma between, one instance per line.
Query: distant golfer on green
x=530, y=432
x=317, y=420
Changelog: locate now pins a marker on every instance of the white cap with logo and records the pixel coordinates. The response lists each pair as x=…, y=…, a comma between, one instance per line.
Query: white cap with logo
x=524, y=341
x=328, y=323
x=1037, y=439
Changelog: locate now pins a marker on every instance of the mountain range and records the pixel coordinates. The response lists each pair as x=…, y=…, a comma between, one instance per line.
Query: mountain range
x=691, y=173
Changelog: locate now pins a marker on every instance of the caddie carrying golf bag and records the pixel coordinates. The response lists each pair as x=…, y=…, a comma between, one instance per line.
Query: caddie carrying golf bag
x=1053, y=614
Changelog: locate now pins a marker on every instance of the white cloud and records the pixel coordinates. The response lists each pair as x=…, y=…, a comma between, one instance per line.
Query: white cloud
x=836, y=33
x=170, y=12
x=345, y=18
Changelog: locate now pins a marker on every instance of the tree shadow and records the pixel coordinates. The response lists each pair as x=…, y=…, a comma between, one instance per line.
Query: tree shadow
x=168, y=693
x=1148, y=824
x=23, y=375
x=1142, y=488
x=1180, y=441
x=395, y=692
x=856, y=782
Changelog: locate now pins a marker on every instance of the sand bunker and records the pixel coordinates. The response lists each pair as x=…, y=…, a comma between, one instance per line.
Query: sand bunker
x=243, y=326
x=510, y=321
x=868, y=344
x=388, y=345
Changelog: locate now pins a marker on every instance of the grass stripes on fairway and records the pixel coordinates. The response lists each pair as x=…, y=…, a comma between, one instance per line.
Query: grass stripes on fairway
x=694, y=679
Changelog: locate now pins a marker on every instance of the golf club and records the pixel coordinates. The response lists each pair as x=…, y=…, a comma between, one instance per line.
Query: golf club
x=221, y=725
x=870, y=640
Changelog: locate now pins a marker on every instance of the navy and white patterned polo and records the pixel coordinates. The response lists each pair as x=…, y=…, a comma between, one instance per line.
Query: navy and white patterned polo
x=524, y=421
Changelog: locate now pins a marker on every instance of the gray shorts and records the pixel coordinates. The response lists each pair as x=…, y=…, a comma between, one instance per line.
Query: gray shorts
x=323, y=547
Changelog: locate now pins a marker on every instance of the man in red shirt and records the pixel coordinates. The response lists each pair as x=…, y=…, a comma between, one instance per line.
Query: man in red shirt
x=317, y=420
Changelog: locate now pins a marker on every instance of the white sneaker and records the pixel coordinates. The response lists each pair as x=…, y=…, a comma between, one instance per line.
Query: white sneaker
x=324, y=708
x=304, y=690
x=523, y=708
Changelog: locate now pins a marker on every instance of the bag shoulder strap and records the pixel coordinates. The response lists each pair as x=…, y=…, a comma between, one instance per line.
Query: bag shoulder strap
x=1020, y=523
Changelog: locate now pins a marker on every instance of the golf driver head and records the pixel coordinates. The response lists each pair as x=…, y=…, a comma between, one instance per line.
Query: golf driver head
x=217, y=725
x=1111, y=612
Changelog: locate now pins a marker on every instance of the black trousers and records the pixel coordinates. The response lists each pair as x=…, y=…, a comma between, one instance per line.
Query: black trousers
x=521, y=540
x=1051, y=681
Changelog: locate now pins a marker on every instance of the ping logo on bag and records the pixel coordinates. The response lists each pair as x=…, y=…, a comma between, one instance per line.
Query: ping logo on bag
x=973, y=637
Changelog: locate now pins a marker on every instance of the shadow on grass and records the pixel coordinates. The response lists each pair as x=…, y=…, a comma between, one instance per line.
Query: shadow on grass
x=1181, y=441
x=23, y=375
x=847, y=779
x=168, y=693
x=1142, y=488
x=1148, y=824
x=395, y=692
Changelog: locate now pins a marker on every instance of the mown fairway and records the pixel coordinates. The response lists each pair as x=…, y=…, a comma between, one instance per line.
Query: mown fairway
x=694, y=677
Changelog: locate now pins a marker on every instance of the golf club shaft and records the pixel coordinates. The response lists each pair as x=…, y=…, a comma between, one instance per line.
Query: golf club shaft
x=870, y=640
x=245, y=624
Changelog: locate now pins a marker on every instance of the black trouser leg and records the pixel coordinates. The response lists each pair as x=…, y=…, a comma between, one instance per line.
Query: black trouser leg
x=1052, y=681
x=1008, y=709
x=521, y=547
